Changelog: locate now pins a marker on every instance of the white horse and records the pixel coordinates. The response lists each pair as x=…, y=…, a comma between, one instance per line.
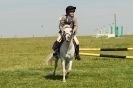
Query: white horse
x=66, y=54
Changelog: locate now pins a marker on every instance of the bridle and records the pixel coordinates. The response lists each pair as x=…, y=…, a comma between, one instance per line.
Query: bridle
x=64, y=35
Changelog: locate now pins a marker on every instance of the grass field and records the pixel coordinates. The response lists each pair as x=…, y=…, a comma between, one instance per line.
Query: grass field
x=22, y=65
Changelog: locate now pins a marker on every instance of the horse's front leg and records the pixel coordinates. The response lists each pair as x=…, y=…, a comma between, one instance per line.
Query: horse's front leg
x=55, y=66
x=64, y=70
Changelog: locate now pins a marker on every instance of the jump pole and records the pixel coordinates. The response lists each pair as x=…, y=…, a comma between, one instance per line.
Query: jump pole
x=104, y=55
x=106, y=49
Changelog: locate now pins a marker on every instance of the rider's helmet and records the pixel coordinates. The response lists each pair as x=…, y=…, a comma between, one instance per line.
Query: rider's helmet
x=70, y=9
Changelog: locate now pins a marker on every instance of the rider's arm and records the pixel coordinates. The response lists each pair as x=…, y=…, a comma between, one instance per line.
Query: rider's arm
x=75, y=25
x=61, y=23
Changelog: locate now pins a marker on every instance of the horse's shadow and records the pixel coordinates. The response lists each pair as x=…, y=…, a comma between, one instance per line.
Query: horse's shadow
x=52, y=77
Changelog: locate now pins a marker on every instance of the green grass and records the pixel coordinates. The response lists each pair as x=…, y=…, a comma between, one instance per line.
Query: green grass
x=22, y=65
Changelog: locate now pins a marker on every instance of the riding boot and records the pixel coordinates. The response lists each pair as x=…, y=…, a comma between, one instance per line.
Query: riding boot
x=55, y=48
x=77, y=56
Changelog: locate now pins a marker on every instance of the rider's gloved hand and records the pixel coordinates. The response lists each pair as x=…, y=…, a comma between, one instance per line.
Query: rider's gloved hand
x=73, y=32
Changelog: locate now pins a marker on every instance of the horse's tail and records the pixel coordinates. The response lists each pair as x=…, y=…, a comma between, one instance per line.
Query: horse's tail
x=49, y=59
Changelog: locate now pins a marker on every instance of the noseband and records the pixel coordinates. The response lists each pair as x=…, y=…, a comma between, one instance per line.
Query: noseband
x=64, y=35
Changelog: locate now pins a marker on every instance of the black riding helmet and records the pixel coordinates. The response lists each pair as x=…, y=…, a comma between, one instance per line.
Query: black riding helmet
x=70, y=9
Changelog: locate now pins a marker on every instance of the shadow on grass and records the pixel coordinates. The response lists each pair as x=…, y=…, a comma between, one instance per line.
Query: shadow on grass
x=52, y=77
x=56, y=77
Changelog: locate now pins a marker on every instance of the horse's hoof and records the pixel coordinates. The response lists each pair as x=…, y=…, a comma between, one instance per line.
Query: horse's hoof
x=64, y=81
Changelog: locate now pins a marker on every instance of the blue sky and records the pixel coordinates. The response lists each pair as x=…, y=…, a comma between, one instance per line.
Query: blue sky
x=26, y=17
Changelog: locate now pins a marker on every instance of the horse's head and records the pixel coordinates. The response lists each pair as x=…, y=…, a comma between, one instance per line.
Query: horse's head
x=67, y=33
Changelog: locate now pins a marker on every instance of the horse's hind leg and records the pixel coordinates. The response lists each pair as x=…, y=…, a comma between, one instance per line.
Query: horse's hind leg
x=69, y=68
x=67, y=65
x=55, y=66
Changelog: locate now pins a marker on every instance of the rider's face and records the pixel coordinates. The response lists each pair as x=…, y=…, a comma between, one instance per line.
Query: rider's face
x=71, y=14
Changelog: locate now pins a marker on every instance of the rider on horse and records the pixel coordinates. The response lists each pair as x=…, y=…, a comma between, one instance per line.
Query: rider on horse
x=68, y=19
